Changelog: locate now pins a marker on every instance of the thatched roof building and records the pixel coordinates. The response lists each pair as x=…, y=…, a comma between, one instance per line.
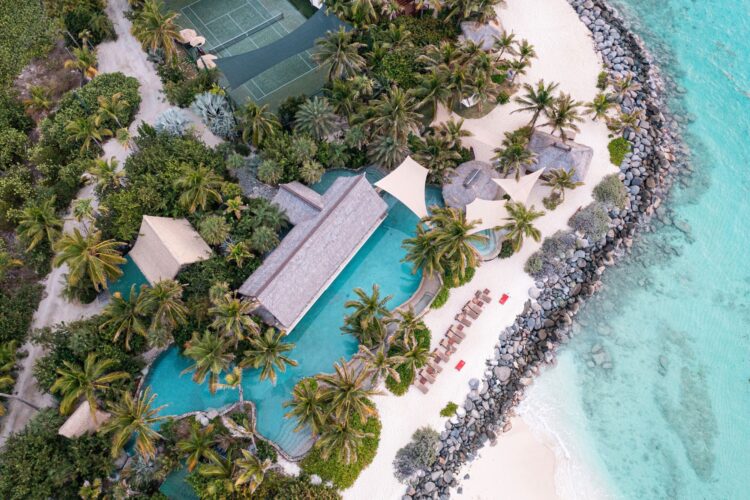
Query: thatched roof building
x=164, y=245
x=81, y=422
x=328, y=231
x=552, y=153
x=470, y=181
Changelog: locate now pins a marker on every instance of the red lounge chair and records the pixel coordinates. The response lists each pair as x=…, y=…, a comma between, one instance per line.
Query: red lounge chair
x=504, y=298
x=460, y=365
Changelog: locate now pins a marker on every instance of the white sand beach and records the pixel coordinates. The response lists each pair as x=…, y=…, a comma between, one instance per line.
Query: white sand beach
x=565, y=55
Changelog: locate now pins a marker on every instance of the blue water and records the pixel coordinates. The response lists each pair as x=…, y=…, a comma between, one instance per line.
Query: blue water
x=319, y=341
x=671, y=419
x=131, y=275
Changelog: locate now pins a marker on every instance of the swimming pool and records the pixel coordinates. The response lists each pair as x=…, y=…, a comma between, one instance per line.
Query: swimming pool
x=131, y=275
x=487, y=249
x=319, y=341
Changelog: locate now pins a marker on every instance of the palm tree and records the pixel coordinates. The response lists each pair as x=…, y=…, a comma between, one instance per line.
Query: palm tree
x=250, y=471
x=163, y=303
x=393, y=115
x=563, y=116
x=221, y=469
x=369, y=317
x=626, y=85
x=506, y=42
x=517, y=67
x=39, y=223
x=126, y=317
x=89, y=256
x=93, y=377
x=345, y=394
x=238, y=253
x=265, y=214
x=235, y=206
x=210, y=358
x=526, y=51
x=600, y=106
x=129, y=417
x=264, y=239
x=112, y=108
x=521, y=224
x=307, y=406
x=414, y=354
x=86, y=130
x=627, y=121
x=408, y=324
x=108, y=175
x=431, y=91
x=256, y=123
x=231, y=317
x=536, y=100
x=83, y=210
x=267, y=352
x=316, y=118
x=560, y=180
x=341, y=53
x=200, y=186
x=156, y=29
x=388, y=151
x=434, y=153
x=379, y=363
x=214, y=229
x=84, y=60
x=454, y=241
x=40, y=99
x=341, y=439
x=453, y=132
x=197, y=444
x=7, y=261
x=422, y=252
x=514, y=156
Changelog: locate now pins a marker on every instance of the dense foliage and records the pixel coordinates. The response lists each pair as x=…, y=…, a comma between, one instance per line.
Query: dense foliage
x=618, y=148
x=25, y=32
x=419, y=454
x=592, y=220
x=441, y=297
x=406, y=371
x=611, y=191
x=449, y=410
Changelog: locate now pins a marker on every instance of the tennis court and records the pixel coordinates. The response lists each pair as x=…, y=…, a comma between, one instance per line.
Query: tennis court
x=234, y=27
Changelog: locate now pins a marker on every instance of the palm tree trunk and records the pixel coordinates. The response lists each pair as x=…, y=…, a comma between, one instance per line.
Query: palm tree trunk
x=17, y=398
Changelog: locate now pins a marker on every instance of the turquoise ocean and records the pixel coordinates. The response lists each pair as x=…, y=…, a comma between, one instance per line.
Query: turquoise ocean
x=671, y=417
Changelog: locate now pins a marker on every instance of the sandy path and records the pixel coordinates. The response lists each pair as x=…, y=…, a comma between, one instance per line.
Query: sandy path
x=123, y=55
x=565, y=55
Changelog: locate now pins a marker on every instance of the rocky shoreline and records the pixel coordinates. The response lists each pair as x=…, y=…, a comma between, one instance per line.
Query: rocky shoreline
x=657, y=155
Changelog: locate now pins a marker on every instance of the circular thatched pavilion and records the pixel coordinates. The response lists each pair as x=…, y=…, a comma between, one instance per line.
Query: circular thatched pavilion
x=470, y=181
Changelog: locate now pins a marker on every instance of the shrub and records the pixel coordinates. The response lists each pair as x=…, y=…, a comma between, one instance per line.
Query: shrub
x=618, y=148
x=534, y=264
x=17, y=306
x=441, y=297
x=602, y=80
x=506, y=249
x=12, y=112
x=16, y=188
x=13, y=144
x=89, y=16
x=265, y=451
x=503, y=97
x=215, y=112
x=276, y=486
x=454, y=281
x=611, y=191
x=270, y=172
x=200, y=276
x=172, y=121
x=405, y=372
x=449, y=410
x=26, y=33
x=214, y=229
x=343, y=475
x=425, y=30
x=288, y=110
x=419, y=454
x=592, y=220
x=311, y=171
x=399, y=66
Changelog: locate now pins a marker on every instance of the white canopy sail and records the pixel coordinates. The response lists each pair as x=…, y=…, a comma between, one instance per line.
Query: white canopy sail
x=519, y=190
x=407, y=184
x=491, y=213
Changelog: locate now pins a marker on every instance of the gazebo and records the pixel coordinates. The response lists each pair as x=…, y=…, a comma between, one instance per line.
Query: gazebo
x=552, y=153
x=164, y=245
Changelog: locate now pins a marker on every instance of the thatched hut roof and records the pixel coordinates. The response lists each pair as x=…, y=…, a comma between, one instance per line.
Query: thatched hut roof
x=470, y=181
x=552, y=153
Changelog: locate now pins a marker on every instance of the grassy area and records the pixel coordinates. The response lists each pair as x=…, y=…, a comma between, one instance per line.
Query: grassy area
x=304, y=6
x=25, y=33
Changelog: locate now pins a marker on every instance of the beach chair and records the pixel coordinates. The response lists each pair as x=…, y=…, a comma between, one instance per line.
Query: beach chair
x=473, y=307
x=456, y=332
x=423, y=388
x=434, y=366
x=424, y=375
x=461, y=318
x=453, y=338
x=445, y=353
x=477, y=302
x=485, y=295
x=470, y=312
x=438, y=356
x=448, y=344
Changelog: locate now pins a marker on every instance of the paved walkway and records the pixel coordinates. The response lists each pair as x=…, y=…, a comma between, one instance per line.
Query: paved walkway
x=124, y=55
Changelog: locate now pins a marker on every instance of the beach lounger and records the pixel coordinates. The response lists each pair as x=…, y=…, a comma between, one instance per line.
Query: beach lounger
x=424, y=375
x=457, y=333
x=478, y=302
x=453, y=338
x=445, y=353
x=438, y=355
x=448, y=344
x=470, y=312
x=473, y=307
x=434, y=366
x=461, y=318
x=423, y=388
x=483, y=295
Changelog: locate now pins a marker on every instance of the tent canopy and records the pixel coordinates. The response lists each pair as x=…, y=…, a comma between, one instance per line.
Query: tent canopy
x=82, y=422
x=491, y=213
x=482, y=150
x=243, y=67
x=407, y=184
x=519, y=190
x=164, y=245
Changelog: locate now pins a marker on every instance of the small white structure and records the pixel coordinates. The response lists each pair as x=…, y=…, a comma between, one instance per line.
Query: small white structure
x=519, y=190
x=82, y=422
x=490, y=213
x=164, y=245
x=407, y=184
x=207, y=61
x=187, y=35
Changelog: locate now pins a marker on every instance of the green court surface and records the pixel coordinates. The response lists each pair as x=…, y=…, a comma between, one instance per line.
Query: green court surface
x=234, y=27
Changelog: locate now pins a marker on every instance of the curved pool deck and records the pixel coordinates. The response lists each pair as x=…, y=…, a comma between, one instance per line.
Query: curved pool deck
x=318, y=338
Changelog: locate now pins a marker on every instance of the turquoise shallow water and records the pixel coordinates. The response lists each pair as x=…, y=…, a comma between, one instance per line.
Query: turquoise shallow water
x=319, y=342
x=671, y=419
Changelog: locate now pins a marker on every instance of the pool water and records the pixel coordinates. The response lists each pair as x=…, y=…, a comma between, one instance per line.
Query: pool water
x=488, y=247
x=131, y=275
x=318, y=339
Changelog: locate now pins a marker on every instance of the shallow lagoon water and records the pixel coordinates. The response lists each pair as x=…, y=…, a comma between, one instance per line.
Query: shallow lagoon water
x=671, y=418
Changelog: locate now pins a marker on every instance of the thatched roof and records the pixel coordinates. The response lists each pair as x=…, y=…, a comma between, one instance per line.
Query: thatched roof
x=552, y=153
x=319, y=246
x=81, y=422
x=483, y=34
x=164, y=245
x=298, y=201
x=407, y=184
x=470, y=181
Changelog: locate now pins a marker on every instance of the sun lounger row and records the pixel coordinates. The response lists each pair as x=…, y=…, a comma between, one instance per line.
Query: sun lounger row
x=449, y=343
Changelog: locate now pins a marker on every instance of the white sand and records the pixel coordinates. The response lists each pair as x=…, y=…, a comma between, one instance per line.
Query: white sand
x=565, y=55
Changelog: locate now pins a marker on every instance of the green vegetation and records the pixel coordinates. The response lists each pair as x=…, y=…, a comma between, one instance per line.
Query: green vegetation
x=618, y=148
x=419, y=454
x=611, y=191
x=408, y=368
x=592, y=221
x=449, y=410
x=506, y=249
x=441, y=297
x=25, y=32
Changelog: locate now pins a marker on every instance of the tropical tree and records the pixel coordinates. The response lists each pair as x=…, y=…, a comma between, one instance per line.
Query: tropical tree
x=505, y=43
x=231, y=317
x=126, y=317
x=434, y=153
x=40, y=99
x=340, y=52
x=388, y=151
x=210, y=357
x=521, y=224
x=87, y=381
x=408, y=324
x=221, y=469
x=393, y=115
x=134, y=416
x=307, y=406
x=83, y=211
x=369, y=317
x=112, y=108
x=86, y=130
x=89, y=256
x=342, y=439
x=453, y=133
x=451, y=234
x=214, y=229
x=316, y=118
x=250, y=471
x=625, y=85
x=379, y=363
x=345, y=394
x=238, y=253
x=200, y=187
x=267, y=353
x=235, y=207
x=265, y=214
x=514, y=154
x=537, y=100
x=84, y=61
x=526, y=51
x=627, y=121
x=197, y=444
x=431, y=91
x=107, y=174
x=163, y=303
x=156, y=29
x=517, y=67
x=563, y=116
x=256, y=123
x=422, y=252
x=600, y=106
x=39, y=223
x=7, y=261
x=413, y=353
x=560, y=180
